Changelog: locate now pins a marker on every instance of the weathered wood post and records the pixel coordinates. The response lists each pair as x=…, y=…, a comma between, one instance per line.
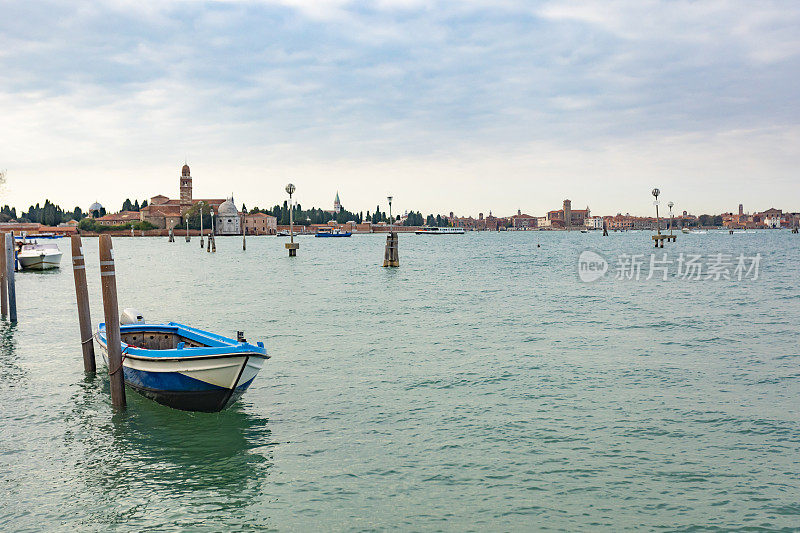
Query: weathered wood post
x=391, y=256
x=188, y=239
x=605, y=228
x=82, y=298
x=244, y=229
x=171, y=235
x=3, y=280
x=10, y=263
x=108, y=280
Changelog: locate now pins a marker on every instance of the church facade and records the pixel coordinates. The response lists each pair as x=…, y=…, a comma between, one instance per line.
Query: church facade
x=166, y=213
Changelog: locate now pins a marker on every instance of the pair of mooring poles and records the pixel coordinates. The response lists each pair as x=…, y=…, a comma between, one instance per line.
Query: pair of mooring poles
x=108, y=282
x=8, y=292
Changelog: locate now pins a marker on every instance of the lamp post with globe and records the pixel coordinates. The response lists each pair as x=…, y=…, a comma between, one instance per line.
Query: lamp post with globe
x=291, y=245
x=391, y=220
x=670, y=205
x=656, y=192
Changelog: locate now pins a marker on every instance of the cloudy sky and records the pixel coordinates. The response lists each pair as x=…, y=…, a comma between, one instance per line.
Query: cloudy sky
x=475, y=105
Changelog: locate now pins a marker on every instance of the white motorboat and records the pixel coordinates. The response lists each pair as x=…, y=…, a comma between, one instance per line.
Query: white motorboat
x=433, y=230
x=39, y=256
x=685, y=230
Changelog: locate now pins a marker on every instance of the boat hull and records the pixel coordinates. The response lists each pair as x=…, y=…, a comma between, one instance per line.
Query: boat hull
x=333, y=235
x=39, y=261
x=205, y=383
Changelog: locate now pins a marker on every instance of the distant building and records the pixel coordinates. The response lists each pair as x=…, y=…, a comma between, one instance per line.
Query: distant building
x=772, y=217
x=593, y=222
x=117, y=219
x=95, y=207
x=522, y=222
x=566, y=217
x=165, y=213
x=260, y=224
x=228, y=221
x=337, y=204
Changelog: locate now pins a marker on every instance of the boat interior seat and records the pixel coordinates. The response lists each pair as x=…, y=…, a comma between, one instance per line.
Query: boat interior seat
x=153, y=340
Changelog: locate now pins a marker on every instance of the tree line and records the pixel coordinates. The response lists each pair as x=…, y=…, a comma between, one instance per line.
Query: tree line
x=50, y=214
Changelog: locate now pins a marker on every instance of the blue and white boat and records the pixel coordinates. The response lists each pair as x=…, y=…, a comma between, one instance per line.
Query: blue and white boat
x=183, y=367
x=335, y=232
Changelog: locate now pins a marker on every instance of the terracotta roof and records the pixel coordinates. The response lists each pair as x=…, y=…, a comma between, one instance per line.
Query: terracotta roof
x=123, y=216
x=165, y=210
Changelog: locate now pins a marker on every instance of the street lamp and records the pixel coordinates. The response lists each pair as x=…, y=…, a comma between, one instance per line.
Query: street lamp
x=670, y=205
x=656, y=192
x=291, y=246
x=391, y=220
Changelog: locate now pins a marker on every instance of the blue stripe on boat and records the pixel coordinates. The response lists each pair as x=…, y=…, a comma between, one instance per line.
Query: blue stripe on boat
x=166, y=381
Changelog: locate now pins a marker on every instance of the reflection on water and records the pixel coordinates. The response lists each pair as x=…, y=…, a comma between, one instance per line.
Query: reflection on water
x=154, y=465
x=11, y=374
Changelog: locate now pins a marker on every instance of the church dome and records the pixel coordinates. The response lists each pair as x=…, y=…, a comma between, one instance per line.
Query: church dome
x=228, y=208
x=185, y=170
x=95, y=207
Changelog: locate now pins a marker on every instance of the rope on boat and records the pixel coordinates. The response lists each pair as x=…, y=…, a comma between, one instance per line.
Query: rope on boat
x=121, y=361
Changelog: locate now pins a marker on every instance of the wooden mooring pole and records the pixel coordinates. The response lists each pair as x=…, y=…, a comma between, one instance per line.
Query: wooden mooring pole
x=108, y=280
x=82, y=299
x=10, y=263
x=3, y=278
x=188, y=239
x=391, y=256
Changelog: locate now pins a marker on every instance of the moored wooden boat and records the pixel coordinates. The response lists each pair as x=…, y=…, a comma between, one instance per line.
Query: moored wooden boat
x=183, y=367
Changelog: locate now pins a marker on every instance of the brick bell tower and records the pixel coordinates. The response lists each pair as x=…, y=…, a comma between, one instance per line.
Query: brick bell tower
x=186, y=189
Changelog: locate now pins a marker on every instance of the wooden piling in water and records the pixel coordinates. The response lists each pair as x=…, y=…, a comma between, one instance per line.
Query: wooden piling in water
x=108, y=280
x=213, y=243
x=3, y=278
x=82, y=299
x=10, y=264
x=391, y=256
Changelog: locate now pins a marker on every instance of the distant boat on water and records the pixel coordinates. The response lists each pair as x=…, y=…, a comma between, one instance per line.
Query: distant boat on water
x=39, y=256
x=335, y=232
x=685, y=230
x=432, y=230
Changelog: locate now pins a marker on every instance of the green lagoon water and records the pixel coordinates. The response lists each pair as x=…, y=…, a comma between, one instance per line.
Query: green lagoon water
x=480, y=386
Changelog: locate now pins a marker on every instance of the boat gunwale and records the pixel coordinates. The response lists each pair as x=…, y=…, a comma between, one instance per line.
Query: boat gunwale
x=219, y=346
